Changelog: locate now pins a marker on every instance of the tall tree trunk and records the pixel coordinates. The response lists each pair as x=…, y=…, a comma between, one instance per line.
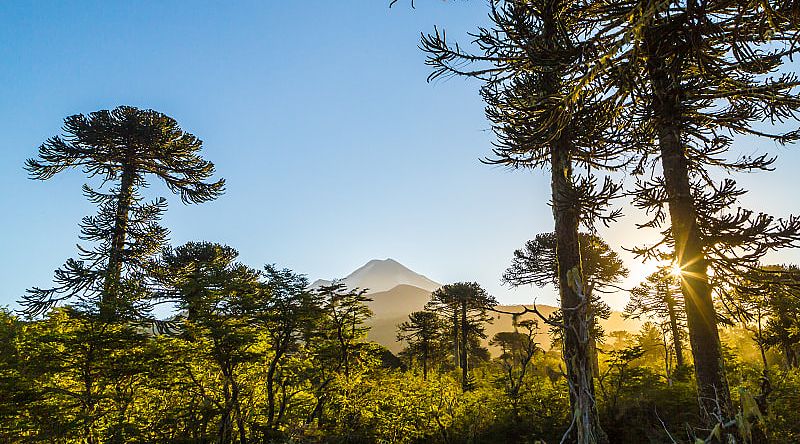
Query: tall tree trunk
x=673, y=326
x=109, y=303
x=585, y=428
x=456, y=355
x=701, y=316
x=464, y=338
x=225, y=423
x=574, y=304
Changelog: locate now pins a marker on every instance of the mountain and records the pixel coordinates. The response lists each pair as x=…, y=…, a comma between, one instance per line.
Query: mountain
x=397, y=291
x=383, y=275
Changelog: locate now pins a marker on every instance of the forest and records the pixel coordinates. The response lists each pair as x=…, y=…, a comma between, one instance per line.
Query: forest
x=642, y=107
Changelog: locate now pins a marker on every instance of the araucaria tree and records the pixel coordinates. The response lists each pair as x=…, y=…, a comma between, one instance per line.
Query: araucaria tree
x=462, y=307
x=421, y=331
x=659, y=297
x=536, y=264
x=532, y=62
x=124, y=147
x=692, y=74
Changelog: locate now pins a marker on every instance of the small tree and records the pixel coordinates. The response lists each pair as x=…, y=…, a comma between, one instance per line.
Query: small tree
x=422, y=332
x=660, y=297
x=536, y=264
x=518, y=348
x=218, y=295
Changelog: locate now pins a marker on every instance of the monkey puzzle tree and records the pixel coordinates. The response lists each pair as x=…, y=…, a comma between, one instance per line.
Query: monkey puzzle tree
x=123, y=147
x=422, y=332
x=660, y=297
x=691, y=75
x=536, y=264
x=463, y=306
x=532, y=61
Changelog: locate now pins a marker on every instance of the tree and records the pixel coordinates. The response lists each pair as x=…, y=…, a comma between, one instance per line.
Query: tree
x=532, y=62
x=336, y=341
x=518, y=349
x=463, y=305
x=659, y=297
x=87, y=372
x=421, y=331
x=124, y=147
x=288, y=309
x=691, y=75
x=779, y=287
x=218, y=295
x=536, y=264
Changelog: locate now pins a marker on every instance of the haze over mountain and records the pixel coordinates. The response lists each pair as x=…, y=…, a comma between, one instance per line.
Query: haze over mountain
x=396, y=291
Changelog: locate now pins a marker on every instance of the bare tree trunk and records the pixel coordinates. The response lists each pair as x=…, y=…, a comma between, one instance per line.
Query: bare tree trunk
x=456, y=355
x=701, y=316
x=238, y=410
x=424, y=362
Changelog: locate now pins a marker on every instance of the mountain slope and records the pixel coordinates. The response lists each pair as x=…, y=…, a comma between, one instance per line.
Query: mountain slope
x=383, y=275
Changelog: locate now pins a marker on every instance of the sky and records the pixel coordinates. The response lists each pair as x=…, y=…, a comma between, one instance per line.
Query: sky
x=334, y=147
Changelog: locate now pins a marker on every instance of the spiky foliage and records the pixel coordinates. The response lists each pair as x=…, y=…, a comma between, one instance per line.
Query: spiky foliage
x=693, y=74
x=533, y=62
x=603, y=269
x=123, y=147
x=536, y=263
x=421, y=331
x=463, y=307
x=659, y=297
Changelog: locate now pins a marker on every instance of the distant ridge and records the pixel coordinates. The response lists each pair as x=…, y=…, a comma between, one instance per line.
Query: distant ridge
x=383, y=275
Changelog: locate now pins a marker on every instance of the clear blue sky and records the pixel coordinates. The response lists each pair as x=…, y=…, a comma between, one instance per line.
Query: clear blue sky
x=335, y=149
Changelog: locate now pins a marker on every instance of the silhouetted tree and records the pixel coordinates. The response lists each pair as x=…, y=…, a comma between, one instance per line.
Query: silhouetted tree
x=463, y=306
x=659, y=297
x=691, y=75
x=123, y=147
x=536, y=264
x=421, y=332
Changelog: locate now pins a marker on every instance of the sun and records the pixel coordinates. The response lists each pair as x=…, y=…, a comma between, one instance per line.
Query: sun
x=676, y=270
